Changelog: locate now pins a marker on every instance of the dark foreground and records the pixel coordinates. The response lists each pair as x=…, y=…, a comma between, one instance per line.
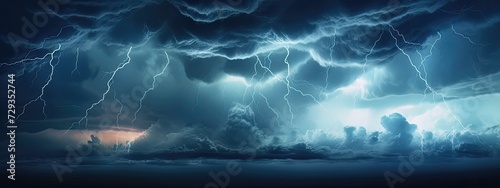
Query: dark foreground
x=458, y=172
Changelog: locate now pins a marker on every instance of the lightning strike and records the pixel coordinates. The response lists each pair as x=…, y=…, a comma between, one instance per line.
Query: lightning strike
x=76, y=63
x=364, y=65
x=117, y=121
x=40, y=97
x=431, y=88
x=153, y=85
x=108, y=84
x=271, y=108
x=287, y=82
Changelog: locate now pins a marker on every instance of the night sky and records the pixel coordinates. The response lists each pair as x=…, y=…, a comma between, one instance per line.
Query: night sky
x=235, y=93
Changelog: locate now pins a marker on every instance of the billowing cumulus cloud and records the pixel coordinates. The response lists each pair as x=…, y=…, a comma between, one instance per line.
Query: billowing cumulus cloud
x=354, y=137
x=399, y=130
x=240, y=127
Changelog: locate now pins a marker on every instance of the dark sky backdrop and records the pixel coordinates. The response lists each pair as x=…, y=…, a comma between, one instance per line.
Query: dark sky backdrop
x=330, y=80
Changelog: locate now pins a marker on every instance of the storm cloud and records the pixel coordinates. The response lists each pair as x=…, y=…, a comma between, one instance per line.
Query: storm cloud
x=287, y=79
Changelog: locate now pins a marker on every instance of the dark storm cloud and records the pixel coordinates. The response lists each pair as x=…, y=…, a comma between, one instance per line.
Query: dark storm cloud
x=400, y=131
x=466, y=144
x=326, y=79
x=458, y=62
x=342, y=37
x=336, y=33
x=373, y=138
x=240, y=127
x=354, y=137
x=172, y=137
x=204, y=69
x=296, y=151
x=210, y=11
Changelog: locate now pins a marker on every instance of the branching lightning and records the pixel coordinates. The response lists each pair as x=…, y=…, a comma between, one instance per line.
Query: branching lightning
x=423, y=79
x=422, y=61
x=108, y=84
x=271, y=108
x=117, y=121
x=197, y=98
x=327, y=72
x=153, y=85
x=465, y=37
x=287, y=82
x=472, y=44
x=40, y=97
x=366, y=62
x=76, y=63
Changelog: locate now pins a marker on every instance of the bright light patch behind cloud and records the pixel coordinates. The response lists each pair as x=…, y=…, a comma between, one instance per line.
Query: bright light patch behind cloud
x=237, y=79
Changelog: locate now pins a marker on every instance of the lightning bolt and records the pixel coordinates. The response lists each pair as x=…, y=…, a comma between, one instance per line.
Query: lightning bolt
x=26, y=59
x=108, y=84
x=117, y=122
x=76, y=63
x=327, y=75
x=262, y=77
x=472, y=44
x=254, y=85
x=466, y=9
x=40, y=97
x=253, y=76
x=271, y=108
x=423, y=79
x=465, y=37
x=302, y=82
x=327, y=72
x=45, y=40
x=422, y=61
x=198, y=89
x=39, y=68
x=287, y=82
x=153, y=85
x=22, y=61
x=197, y=98
x=366, y=62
